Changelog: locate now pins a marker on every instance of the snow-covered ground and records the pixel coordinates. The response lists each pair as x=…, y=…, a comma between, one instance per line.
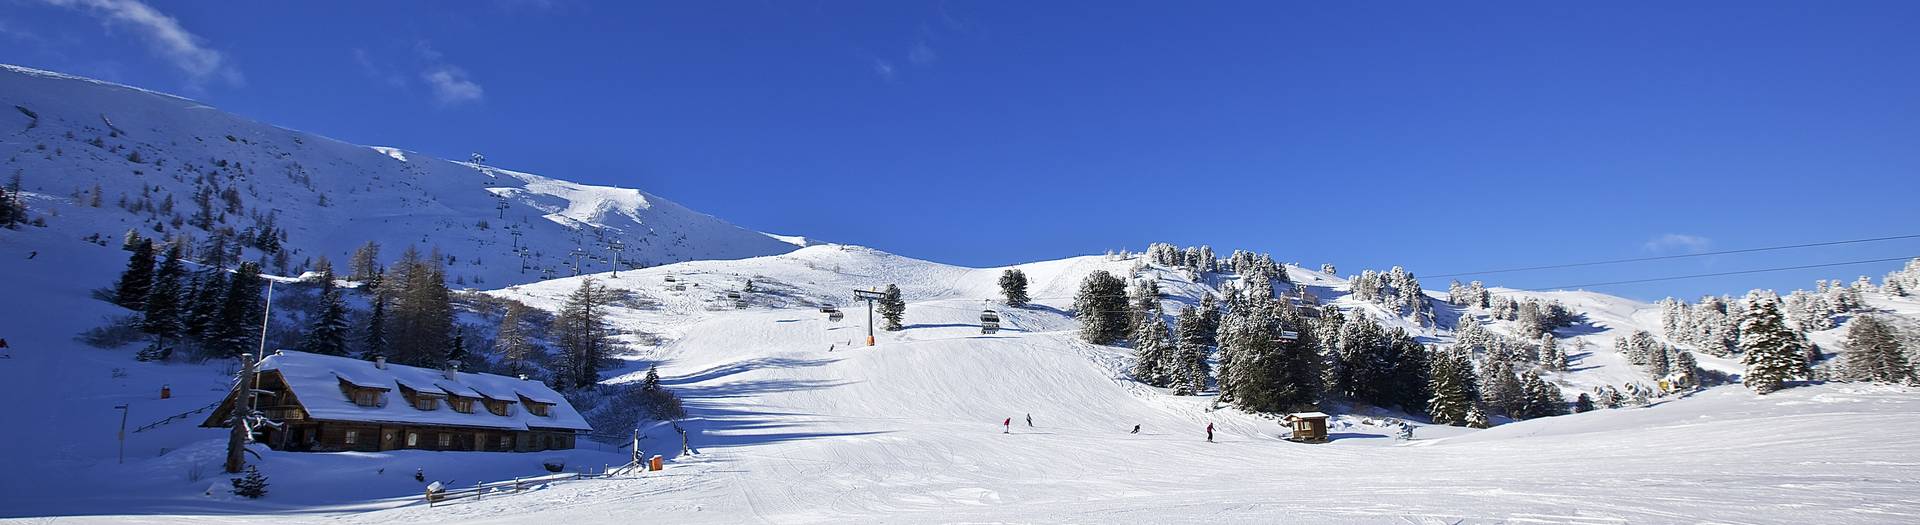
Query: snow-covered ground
x=792, y=424
x=792, y=418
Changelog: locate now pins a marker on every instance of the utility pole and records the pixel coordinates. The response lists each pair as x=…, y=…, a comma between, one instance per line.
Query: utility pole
x=123, y=432
x=237, y=439
x=616, y=247
x=502, y=206
x=576, y=260
x=870, y=296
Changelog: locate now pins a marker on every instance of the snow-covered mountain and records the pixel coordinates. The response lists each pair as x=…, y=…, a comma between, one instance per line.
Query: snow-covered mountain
x=150, y=154
x=792, y=417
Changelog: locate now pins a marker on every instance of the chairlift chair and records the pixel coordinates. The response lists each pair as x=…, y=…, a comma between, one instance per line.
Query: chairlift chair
x=989, y=321
x=833, y=314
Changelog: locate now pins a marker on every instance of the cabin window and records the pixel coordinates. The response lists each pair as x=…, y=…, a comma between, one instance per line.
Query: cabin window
x=499, y=408
x=353, y=437
x=413, y=439
x=538, y=409
x=461, y=404
x=446, y=440
x=365, y=397
x=425, y=403
x=506, y=442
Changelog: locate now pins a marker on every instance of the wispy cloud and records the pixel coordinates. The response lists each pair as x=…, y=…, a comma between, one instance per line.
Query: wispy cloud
x=451, y=86
x=885, y=69
x=921, y=54
x=405, y=64
x=1678, y=242
x=164, y=36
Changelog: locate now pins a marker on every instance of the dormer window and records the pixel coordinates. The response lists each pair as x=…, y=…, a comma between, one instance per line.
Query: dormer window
x=366, y=398
x=461, y=404
x=499, y=408
x=538, y=408
x=363, y=395
x=421, y=400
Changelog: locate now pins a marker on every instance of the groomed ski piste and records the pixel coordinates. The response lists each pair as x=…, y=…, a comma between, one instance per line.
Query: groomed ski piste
x=794, y=420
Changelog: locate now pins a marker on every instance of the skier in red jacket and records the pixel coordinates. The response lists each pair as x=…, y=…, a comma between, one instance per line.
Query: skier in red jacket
x=1209, y=432
x=1009, y=424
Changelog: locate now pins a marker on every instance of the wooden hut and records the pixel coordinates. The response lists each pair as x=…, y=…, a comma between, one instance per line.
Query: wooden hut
x=1308, y=427
x=330, y=403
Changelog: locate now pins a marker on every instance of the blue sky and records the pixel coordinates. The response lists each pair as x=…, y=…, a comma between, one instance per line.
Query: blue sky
x=1442, y=138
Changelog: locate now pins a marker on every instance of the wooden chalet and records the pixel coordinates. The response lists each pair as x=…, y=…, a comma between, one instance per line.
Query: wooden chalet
x=1308, y=427
x=331, y=403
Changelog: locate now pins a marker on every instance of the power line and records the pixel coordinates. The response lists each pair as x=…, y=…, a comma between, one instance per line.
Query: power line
x=1717, y=274
x=1682, y=256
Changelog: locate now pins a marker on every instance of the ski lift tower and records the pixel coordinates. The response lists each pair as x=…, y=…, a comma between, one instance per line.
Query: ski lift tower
x=616, y=247
x=870, y=296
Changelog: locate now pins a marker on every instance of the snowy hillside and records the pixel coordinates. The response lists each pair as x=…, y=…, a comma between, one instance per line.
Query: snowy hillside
x=152, y=154
x=791, y=417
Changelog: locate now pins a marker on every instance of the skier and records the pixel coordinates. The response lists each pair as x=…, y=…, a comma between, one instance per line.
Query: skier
x=1209, y=432
x=1136, y=430
x=32, y=254
x=1009, y=426
x=1029, y=420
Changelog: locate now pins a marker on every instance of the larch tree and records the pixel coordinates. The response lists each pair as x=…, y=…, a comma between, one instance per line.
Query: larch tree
x=511, y=342
x=584, y=338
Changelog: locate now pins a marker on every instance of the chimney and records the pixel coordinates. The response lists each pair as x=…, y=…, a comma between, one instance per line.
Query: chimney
x=380, y=362
x=452, y=369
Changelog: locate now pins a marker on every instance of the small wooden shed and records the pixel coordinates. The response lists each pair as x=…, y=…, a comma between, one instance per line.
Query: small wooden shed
x=1308, y=427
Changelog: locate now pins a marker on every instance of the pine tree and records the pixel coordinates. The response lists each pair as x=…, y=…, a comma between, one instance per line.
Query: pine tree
x=251, y=485
x=1190, y=350
x=892, y=308
x=583, y=336
x=1551, y=356
x=1772, y=351
x=1263, y=372
x=1150, y=349
x=1101, y=307
x=162, y=317
x=373, y=339
x=1684, y=370
x=652, y=381
x=511, y=342
x=1584, y=403
x=137, y=281
x=1454, y=388
x=204, y=307
x=1874, y=352
x=1407, y=383
x=1013, y=285
x=1542, y=399
x=240, y=312
x=328, y=333
x=1500, y=391
x=13, y=204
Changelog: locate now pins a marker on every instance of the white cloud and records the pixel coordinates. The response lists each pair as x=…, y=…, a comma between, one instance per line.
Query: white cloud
x=921, y=54
x=884, y=69
x=451, y=86
x=163, y=34
x=1679, y=242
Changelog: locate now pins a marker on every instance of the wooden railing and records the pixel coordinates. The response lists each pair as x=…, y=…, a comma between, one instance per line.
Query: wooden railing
x=479, y=490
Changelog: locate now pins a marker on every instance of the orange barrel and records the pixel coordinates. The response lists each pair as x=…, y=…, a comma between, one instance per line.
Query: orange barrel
x=656, y=463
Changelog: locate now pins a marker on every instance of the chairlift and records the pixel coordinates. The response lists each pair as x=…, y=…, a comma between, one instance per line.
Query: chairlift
x=833, y=314
x=739, y=301
x=1288, y=335
x=671, y=279
x=989, y=321
x=679, y=287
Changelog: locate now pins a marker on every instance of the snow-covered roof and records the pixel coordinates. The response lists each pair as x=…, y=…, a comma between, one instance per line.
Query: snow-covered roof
x=1308, y=415
x=315, y=379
